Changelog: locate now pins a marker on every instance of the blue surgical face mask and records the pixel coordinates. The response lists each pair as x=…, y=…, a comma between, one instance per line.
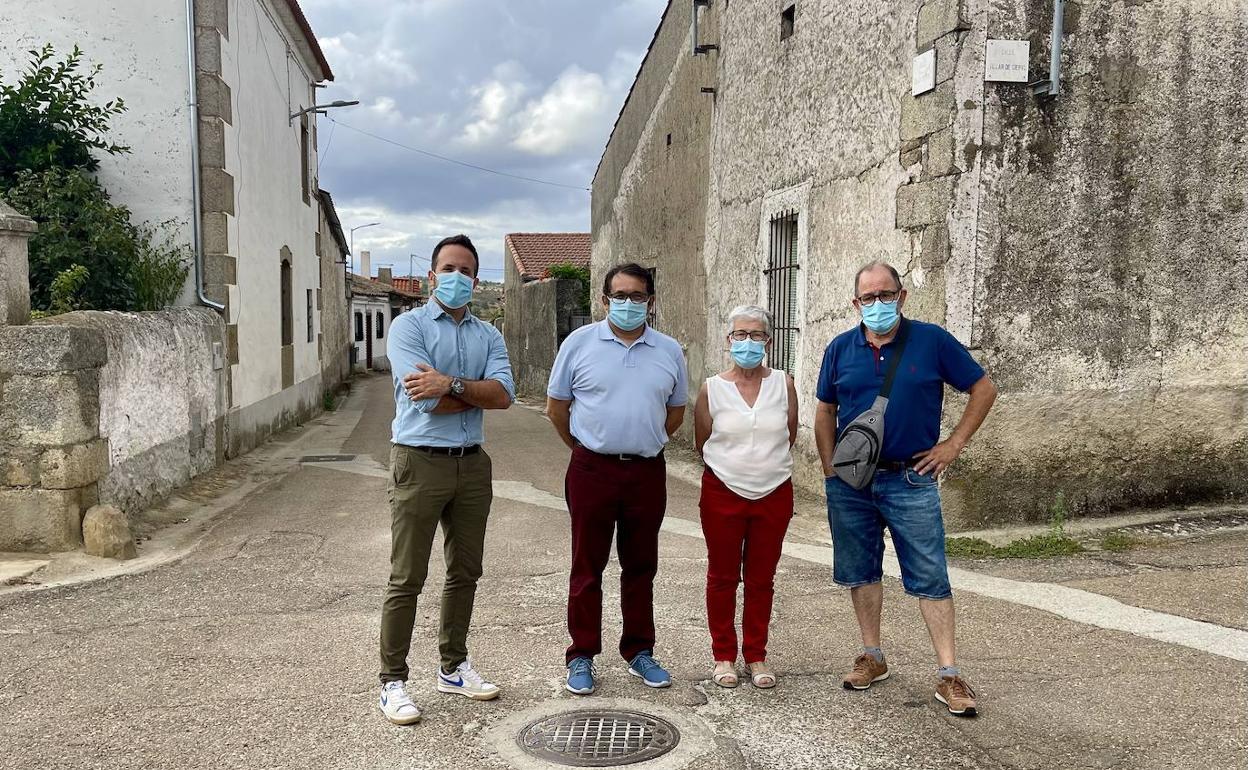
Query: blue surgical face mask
x=748, y=353
x=880, y=316
x=627, y=315
x=454, y=290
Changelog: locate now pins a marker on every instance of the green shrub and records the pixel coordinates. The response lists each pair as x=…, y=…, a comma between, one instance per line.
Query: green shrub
x=573, y=272
x=130, y=267
x=47, y=119
x=87, y=253
x=67, y=290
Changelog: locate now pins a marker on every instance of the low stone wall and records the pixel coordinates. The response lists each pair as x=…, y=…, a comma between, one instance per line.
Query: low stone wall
x=120, y=408
x=537, y=321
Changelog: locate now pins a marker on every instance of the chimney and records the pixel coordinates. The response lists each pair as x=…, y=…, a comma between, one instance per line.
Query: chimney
x=385, y=274
x=366, y=268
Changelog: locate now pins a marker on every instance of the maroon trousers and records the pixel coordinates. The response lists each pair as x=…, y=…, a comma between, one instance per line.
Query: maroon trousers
x=626, y=498
x=742, y=536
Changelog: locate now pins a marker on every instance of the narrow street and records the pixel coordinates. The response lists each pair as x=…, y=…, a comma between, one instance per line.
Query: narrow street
x=258, y=648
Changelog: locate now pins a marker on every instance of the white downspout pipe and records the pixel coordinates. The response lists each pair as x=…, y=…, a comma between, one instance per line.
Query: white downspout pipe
x=197, y=223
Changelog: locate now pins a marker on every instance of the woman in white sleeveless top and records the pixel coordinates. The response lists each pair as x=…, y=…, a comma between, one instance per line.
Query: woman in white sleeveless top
x=745, y=424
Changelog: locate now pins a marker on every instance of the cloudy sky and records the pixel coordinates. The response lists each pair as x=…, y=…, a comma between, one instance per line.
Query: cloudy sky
x=527, y=87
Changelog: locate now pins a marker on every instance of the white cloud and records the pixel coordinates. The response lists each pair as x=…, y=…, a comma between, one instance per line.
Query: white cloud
x=567, y=117
x=497, y=101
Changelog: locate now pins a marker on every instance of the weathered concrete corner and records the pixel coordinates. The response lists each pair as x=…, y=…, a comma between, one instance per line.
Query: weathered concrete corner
x=42, y=520
x=70, y=467
x=50, y=348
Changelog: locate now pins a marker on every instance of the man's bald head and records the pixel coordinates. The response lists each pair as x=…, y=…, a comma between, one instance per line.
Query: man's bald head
x=873, y=268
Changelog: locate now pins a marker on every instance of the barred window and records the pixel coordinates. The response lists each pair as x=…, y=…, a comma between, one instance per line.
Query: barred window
x=782, y=274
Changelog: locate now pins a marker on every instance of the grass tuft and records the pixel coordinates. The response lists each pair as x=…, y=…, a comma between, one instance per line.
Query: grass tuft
x=1118, y=542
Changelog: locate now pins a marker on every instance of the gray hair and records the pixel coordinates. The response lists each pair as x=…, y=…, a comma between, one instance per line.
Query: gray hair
x=873, y=265
x=752, y=312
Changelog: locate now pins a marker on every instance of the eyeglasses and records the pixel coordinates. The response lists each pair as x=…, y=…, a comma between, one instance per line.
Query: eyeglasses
x=740, y=335
x=637, y=298
x=884, y=296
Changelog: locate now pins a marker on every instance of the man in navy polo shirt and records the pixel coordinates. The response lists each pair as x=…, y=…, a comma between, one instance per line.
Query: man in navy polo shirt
x=903, y=494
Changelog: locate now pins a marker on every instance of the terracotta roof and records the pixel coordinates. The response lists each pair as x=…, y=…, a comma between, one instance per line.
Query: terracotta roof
x=535, y=253
x=370, y=287
x=409, y=285
x=310, y=36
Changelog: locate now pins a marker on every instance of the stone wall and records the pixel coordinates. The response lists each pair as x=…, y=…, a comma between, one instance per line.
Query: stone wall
x=651, y=189
x=536, y=323
x=1111, y=289
x=118, y=408
x=1091, y=249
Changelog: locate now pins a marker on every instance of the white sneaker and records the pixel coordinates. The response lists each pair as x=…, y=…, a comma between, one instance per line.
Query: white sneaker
x=395, y=704
x=465, y=680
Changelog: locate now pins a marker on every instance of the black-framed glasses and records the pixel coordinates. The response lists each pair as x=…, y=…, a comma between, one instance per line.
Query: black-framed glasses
x=740, y=335
x=868, y=300
x=637, y=297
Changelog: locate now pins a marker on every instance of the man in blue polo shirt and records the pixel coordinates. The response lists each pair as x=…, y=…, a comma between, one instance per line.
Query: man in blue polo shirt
x=617, y=392
x=903, y=494
x=448, y=367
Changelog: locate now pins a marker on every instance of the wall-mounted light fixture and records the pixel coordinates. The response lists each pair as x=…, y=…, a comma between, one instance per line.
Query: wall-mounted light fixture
x=320, y=109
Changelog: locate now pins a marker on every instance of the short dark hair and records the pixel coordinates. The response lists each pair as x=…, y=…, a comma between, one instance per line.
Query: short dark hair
x=872, y=266
x=455, y=240
x=629, y=268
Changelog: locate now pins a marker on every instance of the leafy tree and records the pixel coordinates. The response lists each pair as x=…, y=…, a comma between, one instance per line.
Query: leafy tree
x=87, y=253
x=47, y=120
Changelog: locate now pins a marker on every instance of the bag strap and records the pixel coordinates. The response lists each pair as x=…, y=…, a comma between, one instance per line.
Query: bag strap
x=899, y=347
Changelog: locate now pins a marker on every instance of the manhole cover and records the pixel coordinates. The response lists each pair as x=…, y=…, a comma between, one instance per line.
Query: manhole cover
x=326, y=458
x=599, y=738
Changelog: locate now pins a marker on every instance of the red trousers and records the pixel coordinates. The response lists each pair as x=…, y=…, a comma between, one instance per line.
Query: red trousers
x=747, y=534
x=625, y=498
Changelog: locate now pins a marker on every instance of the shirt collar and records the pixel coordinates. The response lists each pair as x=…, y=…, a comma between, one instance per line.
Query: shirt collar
x=436, y=311
x=605, y=333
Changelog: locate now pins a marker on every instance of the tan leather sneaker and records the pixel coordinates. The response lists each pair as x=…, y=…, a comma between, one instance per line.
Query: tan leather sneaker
x=867, y=671
x=954, y=692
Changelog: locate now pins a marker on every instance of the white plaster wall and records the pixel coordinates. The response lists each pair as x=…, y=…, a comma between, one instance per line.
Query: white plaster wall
x=263, y=156
x=370, y=306
x=160, y=403
x=142, y=45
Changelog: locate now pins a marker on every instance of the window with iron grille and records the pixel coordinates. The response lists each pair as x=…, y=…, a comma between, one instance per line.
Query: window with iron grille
x=782, y=274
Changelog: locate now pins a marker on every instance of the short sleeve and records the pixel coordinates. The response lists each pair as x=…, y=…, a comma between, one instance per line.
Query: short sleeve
x=826, y=389
x=956, y=365
x=560, y=385
x=680, y=394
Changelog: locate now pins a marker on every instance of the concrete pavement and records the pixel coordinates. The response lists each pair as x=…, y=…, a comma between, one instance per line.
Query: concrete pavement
x=252, y=643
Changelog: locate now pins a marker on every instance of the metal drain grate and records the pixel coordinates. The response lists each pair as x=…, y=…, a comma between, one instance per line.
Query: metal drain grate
x=326, y=458
x=599, y=738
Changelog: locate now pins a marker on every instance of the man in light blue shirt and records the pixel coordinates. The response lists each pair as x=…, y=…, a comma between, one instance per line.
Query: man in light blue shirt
x=617, y=392
x=448, y=366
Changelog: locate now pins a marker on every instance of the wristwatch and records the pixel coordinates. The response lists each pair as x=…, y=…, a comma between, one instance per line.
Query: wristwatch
x=457, y=387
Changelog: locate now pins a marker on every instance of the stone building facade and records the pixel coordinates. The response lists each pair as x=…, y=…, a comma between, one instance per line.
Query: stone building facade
x=1090, y=248
x=256, y=63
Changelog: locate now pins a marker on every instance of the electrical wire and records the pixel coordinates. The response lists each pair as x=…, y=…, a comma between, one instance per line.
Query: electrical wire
x=452, y=160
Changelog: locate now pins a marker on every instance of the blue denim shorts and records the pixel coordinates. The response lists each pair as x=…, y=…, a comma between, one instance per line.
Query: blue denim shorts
x=906, y=502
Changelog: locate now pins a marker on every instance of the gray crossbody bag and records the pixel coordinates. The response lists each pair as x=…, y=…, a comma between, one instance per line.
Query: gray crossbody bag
x=858, y=448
